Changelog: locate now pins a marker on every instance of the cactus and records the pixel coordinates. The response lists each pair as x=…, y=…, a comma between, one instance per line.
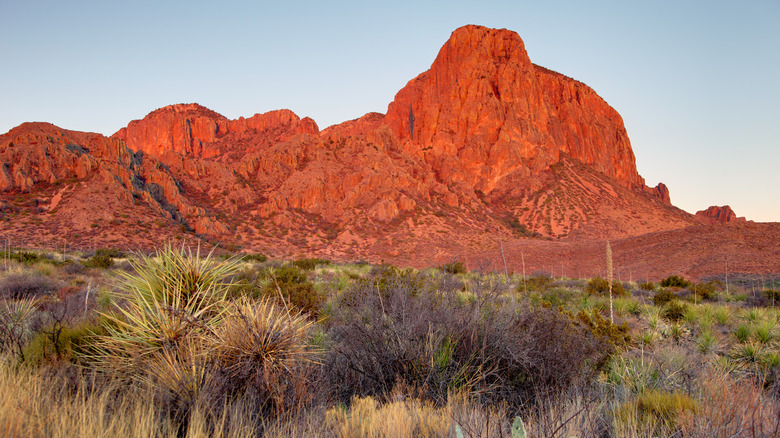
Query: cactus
x=518, y=428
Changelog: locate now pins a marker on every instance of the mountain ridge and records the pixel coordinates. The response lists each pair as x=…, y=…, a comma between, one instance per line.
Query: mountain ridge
x=484, y=143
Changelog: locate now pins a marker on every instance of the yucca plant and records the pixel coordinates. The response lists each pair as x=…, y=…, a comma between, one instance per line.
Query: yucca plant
x=262, y=334
x=171, y=299
x=764, y=332
x=742, y=333
x=264, y=348
x=15, y=318
x=707, y=342
x=747, y=352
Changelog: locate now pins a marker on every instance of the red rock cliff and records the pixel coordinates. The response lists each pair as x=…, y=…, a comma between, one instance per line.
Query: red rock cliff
x=484, y=111
x=188, y=129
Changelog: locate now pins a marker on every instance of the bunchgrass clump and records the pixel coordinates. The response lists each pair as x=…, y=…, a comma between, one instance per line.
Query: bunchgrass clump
x=654, y=411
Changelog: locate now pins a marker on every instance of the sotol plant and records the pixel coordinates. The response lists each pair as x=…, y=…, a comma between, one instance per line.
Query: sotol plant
x=167, y=304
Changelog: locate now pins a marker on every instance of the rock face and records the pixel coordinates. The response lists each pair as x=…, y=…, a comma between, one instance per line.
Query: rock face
x=190, y=129
x=484, y=143
x=715, y=214
x=483, y=111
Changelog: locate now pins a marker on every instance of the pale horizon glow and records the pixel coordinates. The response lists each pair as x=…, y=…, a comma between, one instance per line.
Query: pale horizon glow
x=695, y=82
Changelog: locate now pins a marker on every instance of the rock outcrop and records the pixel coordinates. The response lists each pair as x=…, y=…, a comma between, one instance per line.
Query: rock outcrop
x=716, y=214
x=483, y=111
x=36, y=154
x=484, y=143
x=192, y=130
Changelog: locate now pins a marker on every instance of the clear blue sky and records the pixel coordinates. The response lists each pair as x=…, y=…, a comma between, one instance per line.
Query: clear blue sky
x=697, y=82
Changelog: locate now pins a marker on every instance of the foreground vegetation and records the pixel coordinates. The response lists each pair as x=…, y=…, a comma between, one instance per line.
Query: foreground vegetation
x=184, y=344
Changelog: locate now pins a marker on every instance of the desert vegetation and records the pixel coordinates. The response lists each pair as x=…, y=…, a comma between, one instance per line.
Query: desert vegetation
x=187, y=343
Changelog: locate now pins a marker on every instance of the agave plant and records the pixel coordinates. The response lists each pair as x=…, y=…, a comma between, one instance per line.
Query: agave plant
x=177, y=296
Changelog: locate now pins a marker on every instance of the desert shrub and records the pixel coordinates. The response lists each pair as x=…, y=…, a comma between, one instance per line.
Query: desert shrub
x=72, y=268
x=558, y=297
x=450, y=283
x=295, y=288
x=24, y=257
x=537, y=282
x=704, y=291
x=255, y=257
x=26, y=285
x=598, y=285
x=663, y=296
x=384, y=277
x=309, y=264
x=247, y=282
x=453, y=268
x=675, y=281
x=264, y=352
x=603, y=328
x=435, y=343
x=71, y=343
x=647, y=285
x=100, y=261
x=110, y=252
x=674, y=310
x=773, y=295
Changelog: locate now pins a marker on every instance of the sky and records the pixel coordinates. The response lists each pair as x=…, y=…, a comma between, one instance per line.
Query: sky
x=696, y=82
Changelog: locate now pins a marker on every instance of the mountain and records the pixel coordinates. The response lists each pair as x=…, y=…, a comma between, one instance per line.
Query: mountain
x=483, y=146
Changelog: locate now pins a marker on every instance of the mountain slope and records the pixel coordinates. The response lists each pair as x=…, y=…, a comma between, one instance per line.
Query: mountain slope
x=484, y=144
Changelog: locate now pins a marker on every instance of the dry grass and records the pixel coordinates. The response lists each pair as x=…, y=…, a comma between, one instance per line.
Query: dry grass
x=732, y=408
x=394, y=353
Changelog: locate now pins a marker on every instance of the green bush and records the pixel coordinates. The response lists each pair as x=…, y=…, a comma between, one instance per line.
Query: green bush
x=616, y=335
x=647, y=285
x=453, y=268
x=99, y=260
x=25, y=257
x=538, y=282
x=675, y=281
x=674, y=310
x=110, y=252
x=773, y=295
x=309, y=264
x=255, y=257
x=68, y=343
x=295, y=288
x=663, y=296
x=600, y=285
x=705, y=291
